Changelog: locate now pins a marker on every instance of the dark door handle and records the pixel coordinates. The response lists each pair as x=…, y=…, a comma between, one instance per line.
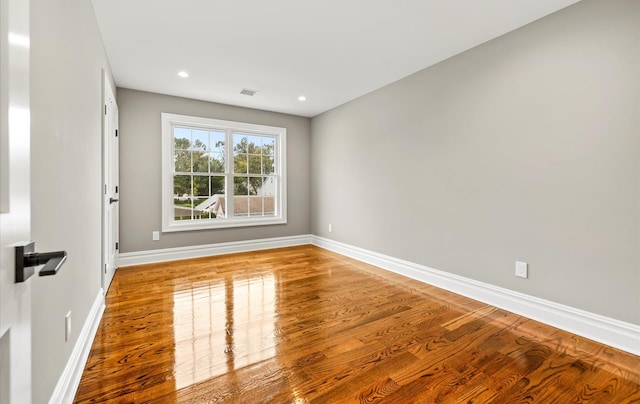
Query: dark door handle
x=112, y=200
x=27, y=259
x=53, y=262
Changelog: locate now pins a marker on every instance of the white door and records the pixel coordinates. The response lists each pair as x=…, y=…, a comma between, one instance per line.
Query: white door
x=110, y=232
x=15, y=202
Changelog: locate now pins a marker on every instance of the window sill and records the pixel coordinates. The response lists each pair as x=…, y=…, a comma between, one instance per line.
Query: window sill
x=189, y=225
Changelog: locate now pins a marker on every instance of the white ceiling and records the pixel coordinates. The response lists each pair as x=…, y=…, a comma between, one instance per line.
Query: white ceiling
x=330, y=51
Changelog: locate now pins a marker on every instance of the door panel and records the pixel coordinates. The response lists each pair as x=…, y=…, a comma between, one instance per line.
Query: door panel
x=15, y=203
x=111, y=205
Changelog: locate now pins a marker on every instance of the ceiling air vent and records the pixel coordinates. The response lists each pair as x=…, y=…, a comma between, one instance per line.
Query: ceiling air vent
x=250, y=93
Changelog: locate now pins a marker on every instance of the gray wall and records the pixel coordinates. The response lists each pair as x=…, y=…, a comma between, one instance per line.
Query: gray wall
x=140, y=171
x=524, y=148
x=67, y=58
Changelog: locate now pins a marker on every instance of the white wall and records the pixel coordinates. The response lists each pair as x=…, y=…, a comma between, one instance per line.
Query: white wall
x=67, y=59
x=525, y=148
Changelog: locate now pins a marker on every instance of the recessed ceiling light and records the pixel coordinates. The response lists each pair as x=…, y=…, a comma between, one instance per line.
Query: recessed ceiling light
x=302, y=98
x=183, y=74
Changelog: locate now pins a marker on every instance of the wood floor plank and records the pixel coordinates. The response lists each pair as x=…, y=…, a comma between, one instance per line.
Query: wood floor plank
x=305, y=325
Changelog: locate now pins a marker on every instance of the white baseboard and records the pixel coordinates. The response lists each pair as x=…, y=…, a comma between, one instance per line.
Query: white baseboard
x=609, y=331
x=180, y=253
x=69, y=381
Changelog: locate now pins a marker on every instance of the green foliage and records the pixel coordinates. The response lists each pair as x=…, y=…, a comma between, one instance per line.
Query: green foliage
x=197, y=159
x=254, y=160
x=199, y=171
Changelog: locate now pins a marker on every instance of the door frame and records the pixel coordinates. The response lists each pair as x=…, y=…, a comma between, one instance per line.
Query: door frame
x=106, y=168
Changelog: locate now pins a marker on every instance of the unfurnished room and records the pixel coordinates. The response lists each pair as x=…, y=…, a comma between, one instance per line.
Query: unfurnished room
x=286, y=201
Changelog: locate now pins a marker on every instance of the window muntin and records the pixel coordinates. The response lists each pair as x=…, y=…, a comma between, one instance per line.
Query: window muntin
x=221, y=173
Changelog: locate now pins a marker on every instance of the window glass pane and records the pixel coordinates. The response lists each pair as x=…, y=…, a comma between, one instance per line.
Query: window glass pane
x=240, y=163
x=216, y=207
x=267, y=165
x=182, y=161
x=200, y=209
x=200, y=162
x=255, y=183
x=239, y=143
x=268, y=187
x=182, y=201
x=216, y=141
x=255, y=205
x=217, y=185
x=268, y=145
x=182, y=209
x=200, y=185
x=240, y=186
x=254, y=144
x=200, y=139
x=216, y=162
x=213, y=207
x=255, y=164
x=181, y=138
x=240, y=199
x=241, y=206
x=182, y=186
x=269, y=205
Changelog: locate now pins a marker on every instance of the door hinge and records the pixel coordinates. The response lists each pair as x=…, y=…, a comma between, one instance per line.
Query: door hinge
x=105, y=268
x=105, y=109
x=116, y=132
x=105, y=189
x=116, y=189
x=117, y=245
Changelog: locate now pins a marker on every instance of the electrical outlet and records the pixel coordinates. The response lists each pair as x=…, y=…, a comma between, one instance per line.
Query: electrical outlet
x=67, y=326
x=155, y=236
x=521, y=269
x=330, y=227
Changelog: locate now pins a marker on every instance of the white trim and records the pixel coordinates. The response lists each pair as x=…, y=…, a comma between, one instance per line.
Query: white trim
x=69, y=380
x=110, y=158
x=207, y=224
x=180, y=253
x=609, y=331
x=168, y=121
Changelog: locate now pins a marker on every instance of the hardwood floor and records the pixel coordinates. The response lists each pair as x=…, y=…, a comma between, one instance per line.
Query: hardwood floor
x=302, y=324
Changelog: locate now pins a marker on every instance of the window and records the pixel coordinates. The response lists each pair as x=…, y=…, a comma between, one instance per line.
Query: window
x=219, y=174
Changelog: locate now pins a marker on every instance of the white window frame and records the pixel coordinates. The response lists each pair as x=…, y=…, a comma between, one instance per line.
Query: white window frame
x=169, y=224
